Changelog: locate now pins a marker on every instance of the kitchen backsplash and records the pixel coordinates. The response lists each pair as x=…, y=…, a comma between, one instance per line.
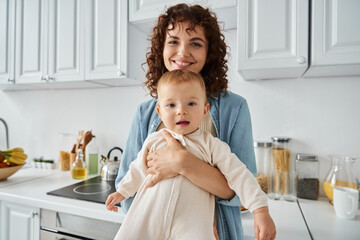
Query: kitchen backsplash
x=320, y=114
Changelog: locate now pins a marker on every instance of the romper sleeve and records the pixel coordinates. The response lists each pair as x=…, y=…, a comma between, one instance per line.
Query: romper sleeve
x=133, y=179
x=239, y=178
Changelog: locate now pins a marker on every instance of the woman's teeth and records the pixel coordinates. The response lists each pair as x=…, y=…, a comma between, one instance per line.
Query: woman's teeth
x=182, y=63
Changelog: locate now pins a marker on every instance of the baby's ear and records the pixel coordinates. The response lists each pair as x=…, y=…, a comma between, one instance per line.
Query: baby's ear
x=206, y=109
x=158, y=110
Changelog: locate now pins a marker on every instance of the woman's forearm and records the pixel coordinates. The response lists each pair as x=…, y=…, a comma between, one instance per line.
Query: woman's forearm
x=205, y=176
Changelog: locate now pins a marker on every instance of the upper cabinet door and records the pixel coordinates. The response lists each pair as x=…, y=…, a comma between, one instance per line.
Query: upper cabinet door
x=272, y=38
x=66, y=41
x=146, y=12
x=106, y=39
x=335, y=38
x=7, y=41
x=31, y=45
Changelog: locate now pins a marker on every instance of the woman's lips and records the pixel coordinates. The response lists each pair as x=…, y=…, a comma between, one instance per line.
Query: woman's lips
x=183, y=123
x=182, y=64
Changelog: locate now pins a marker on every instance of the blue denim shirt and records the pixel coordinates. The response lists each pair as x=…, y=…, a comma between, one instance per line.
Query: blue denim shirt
x=231, y=117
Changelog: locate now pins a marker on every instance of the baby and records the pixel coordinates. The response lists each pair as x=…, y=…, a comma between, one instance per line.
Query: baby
x=175, y=208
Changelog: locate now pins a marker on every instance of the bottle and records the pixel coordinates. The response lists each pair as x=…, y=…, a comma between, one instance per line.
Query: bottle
x=92, y=157
x=263, y=157
x=307, y=169
x=79, y=168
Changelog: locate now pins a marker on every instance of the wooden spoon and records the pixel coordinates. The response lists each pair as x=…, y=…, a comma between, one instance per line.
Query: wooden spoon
x=79, y=138
x=87, y=138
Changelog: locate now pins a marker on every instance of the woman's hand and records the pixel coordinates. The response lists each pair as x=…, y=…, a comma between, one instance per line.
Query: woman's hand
x=166, y=162
x=174, y=160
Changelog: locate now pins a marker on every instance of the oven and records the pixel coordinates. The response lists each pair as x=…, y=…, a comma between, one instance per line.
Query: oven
x=56, y=225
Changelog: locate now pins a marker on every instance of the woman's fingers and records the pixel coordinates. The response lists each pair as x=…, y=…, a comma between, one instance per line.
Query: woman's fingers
x=154, y=180
x=167, y=136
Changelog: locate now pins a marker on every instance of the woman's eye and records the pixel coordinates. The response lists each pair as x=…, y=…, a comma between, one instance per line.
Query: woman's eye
x=172, y=42
x=196, y=44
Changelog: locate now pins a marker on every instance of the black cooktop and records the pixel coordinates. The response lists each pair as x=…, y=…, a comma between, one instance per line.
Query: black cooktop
x=93, y=190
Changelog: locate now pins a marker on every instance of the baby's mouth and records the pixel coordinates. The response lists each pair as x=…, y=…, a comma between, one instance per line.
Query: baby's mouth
x=183, y=123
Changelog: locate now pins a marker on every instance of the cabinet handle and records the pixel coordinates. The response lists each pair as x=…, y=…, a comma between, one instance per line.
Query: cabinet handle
x=121, y=73
x=34, y=214
x=43, y=78
x=11, y=80
x=301, y=60
x=51, y=78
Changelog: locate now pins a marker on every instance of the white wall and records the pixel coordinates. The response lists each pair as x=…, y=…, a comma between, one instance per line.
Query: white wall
x=321, y=115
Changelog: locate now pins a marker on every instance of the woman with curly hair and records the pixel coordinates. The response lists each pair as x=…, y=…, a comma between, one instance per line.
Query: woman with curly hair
x=189, y=37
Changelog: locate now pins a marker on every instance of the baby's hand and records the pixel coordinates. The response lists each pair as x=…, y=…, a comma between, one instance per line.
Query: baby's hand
x=263, y=224
x=113, y=199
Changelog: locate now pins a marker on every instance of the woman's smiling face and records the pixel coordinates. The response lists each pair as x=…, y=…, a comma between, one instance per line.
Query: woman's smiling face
x=185, y=49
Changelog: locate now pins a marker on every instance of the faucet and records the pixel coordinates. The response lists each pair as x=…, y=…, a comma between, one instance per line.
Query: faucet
x=6, y=132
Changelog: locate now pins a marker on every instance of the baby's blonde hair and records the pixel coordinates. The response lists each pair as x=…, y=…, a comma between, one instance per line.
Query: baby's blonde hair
x=179, y=76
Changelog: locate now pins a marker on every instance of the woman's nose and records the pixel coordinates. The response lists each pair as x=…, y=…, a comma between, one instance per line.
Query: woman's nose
x=183, y=51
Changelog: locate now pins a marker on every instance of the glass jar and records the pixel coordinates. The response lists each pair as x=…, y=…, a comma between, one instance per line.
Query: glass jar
x=307, y=170
x=66, y=141
x=263, y=157
x=340, y=174
x=283, y=171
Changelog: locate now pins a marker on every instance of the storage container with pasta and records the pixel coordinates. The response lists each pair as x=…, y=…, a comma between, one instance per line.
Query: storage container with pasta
x=283, y=179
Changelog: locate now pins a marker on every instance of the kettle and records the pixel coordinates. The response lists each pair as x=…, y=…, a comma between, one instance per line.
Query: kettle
x=110, y=168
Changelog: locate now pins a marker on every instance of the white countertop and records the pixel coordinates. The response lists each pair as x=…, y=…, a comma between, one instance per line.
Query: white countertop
x=25, y=174
x=323, y=223
x=287, y=218
x=29, y=187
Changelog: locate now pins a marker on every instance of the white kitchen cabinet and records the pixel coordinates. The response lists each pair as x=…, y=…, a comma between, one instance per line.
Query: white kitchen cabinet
x=276, y=39
x=335, y=38
x=106, y=41
x=30, y=41
x=272, y=38
x=19, y=222
x=68, y=44
x=144, y=13
x=65, y=41
x=7, y=48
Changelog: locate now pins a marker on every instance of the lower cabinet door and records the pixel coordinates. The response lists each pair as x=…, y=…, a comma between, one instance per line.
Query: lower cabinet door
x=19, y=222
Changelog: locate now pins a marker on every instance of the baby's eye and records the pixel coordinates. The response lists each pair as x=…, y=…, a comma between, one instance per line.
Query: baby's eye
x=170, y=105
x=192, y=104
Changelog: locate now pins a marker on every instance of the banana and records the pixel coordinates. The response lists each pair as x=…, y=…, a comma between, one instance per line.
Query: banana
x=15, y=156
x=16, y=160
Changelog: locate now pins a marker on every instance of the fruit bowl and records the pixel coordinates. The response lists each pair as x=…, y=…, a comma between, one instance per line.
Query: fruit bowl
x=8, y=171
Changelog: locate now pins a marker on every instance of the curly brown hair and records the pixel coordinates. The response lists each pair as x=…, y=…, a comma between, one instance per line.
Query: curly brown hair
x=215, y=68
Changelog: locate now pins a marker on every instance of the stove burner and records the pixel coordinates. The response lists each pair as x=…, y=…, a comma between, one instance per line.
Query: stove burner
x=92, y=188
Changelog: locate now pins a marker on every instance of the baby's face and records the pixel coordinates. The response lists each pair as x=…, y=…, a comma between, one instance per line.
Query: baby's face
x=182, y=107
